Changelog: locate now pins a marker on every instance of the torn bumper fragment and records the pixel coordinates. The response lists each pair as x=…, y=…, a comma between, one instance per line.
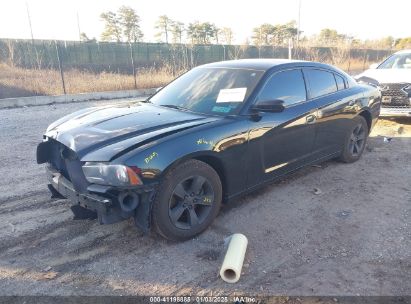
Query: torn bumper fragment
x=93, y=202
x=111, y=205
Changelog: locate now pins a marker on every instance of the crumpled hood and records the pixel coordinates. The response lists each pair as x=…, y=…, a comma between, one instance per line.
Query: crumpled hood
x=91, y=129
x=388, y=75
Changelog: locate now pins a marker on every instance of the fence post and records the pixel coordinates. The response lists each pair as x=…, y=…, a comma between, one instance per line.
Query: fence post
x=132, y=63
x=60, y=66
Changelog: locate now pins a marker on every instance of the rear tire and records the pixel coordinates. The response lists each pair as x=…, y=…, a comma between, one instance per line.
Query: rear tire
x=355, y=141
x=188, y=200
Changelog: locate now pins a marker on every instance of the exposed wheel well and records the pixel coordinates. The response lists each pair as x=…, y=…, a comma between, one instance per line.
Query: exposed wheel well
x=217, y=165
x=367, y=115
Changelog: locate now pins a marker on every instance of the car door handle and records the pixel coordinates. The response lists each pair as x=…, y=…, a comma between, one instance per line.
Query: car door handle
x=310, y=119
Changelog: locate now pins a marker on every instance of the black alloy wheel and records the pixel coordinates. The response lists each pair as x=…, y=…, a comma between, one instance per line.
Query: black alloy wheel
x=357, y=140
x=189, y=198
x=191, y=202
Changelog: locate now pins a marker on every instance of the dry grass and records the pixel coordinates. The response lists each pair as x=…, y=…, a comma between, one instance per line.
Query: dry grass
x=17, y=82
x=354, y=65
x=338, y=56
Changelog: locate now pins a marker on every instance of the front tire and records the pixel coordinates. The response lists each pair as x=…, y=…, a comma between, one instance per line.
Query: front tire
x=188, y=200
x=355, y=141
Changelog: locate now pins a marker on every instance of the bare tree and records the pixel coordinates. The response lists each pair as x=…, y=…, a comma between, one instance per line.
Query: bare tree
x=227, y=35
x=201, y=33
x=177, y=30
x=125, y=22
x=263, y=34
x=193, y=32
x=235, y=52
x=10, y=48
x=163, y=25
x=112, y=27
x=314, y=54
x=282, y=33
x=130, y=23
x=340, y=54
x=217, y=33
x=85, y=38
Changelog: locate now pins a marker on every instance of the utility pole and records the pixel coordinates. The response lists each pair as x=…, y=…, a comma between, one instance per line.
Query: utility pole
x=299, y=23
x=59, y=60
x=132, y=65
x=31, y=28
x=78, y=27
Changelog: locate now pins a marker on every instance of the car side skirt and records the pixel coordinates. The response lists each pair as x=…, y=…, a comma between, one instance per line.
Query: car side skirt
x=230, y=198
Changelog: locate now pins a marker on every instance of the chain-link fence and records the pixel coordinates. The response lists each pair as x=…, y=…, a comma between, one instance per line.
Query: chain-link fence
x=54, y=67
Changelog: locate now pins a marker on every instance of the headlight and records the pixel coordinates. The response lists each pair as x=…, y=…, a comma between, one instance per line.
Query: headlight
x=112, y=175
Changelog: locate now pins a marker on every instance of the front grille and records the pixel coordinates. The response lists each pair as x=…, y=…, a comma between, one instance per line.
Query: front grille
x=399, y=97
x=388, y=106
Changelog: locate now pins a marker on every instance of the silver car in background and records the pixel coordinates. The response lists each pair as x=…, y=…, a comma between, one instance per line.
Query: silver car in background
x=394, y=78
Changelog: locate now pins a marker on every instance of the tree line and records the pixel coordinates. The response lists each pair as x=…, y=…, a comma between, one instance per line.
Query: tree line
x=124, y=26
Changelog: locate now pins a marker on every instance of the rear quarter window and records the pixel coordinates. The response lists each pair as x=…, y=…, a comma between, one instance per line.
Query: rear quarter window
x=320, y=82
x=340, y=82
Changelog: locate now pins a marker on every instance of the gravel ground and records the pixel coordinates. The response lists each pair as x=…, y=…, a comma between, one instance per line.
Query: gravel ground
x=352, y=239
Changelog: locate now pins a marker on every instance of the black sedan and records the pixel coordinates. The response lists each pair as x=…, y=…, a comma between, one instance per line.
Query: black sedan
x=217, y=132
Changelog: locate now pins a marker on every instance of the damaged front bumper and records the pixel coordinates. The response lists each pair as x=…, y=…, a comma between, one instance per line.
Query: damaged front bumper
x=105, y=201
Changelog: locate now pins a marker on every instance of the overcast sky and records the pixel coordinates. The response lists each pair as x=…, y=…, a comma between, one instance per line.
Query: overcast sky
x=57, y=19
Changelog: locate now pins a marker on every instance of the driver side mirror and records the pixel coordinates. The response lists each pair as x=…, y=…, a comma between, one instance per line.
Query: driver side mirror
x=272, y=106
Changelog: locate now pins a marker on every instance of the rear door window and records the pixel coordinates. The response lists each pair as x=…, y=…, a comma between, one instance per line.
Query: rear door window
x=288, y=86
x=320, y=82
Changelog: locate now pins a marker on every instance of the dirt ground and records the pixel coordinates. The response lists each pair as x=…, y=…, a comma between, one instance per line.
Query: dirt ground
x=352, y=239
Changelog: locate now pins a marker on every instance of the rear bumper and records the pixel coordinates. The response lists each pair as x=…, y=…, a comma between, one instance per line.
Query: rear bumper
x=397, y=112
x=105, y=203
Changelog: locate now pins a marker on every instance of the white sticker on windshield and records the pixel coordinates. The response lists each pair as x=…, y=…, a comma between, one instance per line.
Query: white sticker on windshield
x=232, y=95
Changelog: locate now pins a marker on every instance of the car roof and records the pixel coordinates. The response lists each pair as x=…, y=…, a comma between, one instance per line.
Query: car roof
x=268, y=64
x=257, y=64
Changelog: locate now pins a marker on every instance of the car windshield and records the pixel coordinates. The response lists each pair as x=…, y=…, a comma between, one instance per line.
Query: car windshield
x=217, y=91
x=397, y=61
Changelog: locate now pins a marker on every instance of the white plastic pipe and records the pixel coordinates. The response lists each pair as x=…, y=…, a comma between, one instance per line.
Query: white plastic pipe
x=233, y=261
